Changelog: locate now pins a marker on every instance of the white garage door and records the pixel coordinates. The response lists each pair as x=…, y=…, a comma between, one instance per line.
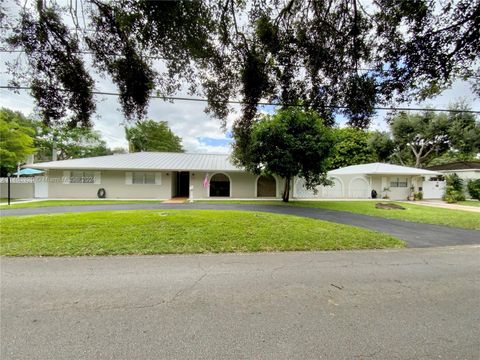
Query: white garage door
x=333, y=192
x=433, y=189
x=302, y=192
x=359, y=189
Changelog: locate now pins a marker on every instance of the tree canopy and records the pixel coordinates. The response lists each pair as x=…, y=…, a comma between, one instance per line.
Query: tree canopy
x=351, y=148
x=152, y=135
x=68, y=142
x=292, y=142
x=334, y=56
x=421, y=137
x=16, y=140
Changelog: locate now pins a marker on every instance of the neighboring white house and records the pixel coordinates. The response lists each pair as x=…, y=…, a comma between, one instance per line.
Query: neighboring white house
x=358, y=181
x=465, y=169
x=155, y=175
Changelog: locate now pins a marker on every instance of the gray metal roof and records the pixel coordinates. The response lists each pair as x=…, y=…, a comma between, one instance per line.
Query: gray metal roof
x=380, y=169
x=146, y=161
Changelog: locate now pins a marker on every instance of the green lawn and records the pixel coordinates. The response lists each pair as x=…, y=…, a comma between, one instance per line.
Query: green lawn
x=47, y=203
x=470, y=203
x=415, y=213
x=178, y=231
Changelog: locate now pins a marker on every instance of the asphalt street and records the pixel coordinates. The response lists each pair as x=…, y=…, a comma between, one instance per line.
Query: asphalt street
x=375, y=304
x=415, y=234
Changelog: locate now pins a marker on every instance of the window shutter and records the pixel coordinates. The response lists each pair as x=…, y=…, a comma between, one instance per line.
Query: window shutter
x=98, y=177
x=128, y=178
x=158, y=178
x=66, y=177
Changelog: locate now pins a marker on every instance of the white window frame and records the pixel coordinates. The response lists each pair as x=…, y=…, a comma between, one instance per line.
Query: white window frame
x=144, y=178
x=84, y=178
x=397, y=181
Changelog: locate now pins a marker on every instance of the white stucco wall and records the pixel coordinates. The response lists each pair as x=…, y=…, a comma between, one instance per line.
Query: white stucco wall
x=17, y=191
x=114, y=183
x=358, y=187
x=242, y=186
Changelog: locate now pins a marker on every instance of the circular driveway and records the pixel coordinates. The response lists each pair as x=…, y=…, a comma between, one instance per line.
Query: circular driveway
x=415, y=234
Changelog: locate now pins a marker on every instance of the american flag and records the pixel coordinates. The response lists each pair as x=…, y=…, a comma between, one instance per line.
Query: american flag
x=205, y=181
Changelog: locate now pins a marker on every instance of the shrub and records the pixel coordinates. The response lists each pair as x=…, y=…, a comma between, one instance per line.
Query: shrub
x=455, y=181
x=418, y=196
x=454, y=189
x=452, y=196
x=473, y=187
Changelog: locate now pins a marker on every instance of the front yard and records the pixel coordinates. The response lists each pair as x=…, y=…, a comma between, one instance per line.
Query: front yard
x=49, y=203
x=179, y=232
x=415, y=213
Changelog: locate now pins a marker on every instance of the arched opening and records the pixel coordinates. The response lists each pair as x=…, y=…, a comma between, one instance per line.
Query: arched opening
x=220, y=185
x=266, y=186
x=335, y=191
x=359, y=188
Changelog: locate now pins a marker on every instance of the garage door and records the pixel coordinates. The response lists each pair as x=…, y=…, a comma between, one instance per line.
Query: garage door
x=333, y=192
x=301, y=192
x=359, y=189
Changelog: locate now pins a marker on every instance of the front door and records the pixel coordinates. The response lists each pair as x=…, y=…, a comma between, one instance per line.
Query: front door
x=183, y=184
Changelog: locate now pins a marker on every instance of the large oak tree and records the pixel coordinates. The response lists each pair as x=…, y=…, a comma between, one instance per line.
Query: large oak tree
x=333, y=56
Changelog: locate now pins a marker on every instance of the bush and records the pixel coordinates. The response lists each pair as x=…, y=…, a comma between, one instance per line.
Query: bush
x=454, y=189
x=452, y=196
x=455, y=181
x=418, y=196
x=473, y=187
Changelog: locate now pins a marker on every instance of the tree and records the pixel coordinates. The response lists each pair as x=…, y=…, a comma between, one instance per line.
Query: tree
x=69, y=143
x=293, y=142
x=16, y=140
x=420, y=137
x=151, y=135
x=382, y=145
x=473, y=187
x=351, y=148
x=313, y=52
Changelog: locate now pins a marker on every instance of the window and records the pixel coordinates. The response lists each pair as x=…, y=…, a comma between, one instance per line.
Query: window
x=143, y=178
x=82, y=177
x=398, y=183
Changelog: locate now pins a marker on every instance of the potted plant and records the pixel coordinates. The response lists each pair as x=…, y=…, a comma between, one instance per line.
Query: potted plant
x=385, y=193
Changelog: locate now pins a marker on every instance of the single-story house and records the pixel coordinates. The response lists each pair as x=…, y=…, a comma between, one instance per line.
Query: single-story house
x=156, y=175
x=358, y=181
x=465, y=169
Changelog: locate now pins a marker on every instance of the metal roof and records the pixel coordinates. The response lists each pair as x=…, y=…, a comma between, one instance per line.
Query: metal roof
x=146, y=161
x=458, y=165
x=381, y=169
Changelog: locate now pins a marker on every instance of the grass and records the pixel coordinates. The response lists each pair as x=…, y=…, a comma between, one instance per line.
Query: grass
x=415, y=213
x=470, y=203
x=47, y=203
x=179, y=232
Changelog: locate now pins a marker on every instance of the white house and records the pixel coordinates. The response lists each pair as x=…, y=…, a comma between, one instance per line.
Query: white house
x=155, y=175
x=358, y=181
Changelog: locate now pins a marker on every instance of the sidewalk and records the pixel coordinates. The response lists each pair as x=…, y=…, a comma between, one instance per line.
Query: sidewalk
x=444, y=205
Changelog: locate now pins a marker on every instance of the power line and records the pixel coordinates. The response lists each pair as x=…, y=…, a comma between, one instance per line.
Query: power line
x=238, y=102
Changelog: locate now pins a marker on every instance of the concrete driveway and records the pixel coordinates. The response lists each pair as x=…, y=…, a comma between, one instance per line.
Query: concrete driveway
x=384, y=304
x=415, y=234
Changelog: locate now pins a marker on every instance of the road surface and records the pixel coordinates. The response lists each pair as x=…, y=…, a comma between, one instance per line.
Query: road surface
x=375, y=304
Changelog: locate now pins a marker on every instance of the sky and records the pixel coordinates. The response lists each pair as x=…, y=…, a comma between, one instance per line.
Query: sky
x=200, y=132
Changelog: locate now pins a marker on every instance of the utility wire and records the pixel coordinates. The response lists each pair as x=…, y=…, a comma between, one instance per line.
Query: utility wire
x=178, y=98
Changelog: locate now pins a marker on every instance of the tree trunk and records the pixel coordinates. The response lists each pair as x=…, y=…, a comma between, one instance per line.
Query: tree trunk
x=286, y=191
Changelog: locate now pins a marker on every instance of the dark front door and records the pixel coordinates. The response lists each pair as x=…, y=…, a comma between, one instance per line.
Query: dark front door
x=183, y=184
